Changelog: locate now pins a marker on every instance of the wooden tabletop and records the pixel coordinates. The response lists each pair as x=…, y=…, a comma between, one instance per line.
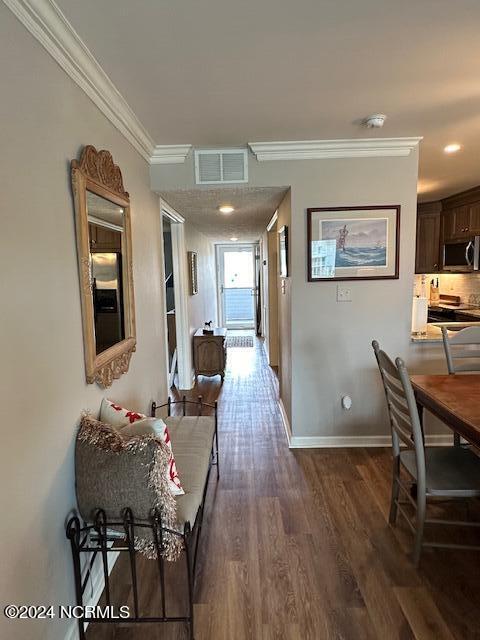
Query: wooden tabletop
x=455, y=399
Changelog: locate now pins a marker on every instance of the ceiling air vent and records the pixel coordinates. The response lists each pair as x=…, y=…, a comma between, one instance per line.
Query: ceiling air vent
x=219, y=166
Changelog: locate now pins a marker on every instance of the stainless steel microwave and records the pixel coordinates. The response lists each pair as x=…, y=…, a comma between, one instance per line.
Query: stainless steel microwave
x=461, y=255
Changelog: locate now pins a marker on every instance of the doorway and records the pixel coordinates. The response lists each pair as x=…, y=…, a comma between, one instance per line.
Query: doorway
x=270, y=293
x=174, y=267
x=169, y=300
x=237, y=289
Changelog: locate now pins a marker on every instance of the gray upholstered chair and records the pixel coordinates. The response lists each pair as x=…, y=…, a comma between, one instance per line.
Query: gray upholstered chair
x=437, y=472
x=462, y=350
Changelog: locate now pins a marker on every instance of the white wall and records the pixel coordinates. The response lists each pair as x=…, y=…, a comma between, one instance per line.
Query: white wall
x=331, y=342
x=44, y=121
x=203, y=306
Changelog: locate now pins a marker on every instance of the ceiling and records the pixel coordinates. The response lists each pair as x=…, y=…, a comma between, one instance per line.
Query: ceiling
x=253, y=209
x=218, y=72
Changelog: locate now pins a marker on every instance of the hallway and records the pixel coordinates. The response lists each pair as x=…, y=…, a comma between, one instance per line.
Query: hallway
x=296, y=545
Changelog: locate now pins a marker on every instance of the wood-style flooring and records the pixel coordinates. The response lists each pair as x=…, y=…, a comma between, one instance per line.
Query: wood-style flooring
x=296, y=544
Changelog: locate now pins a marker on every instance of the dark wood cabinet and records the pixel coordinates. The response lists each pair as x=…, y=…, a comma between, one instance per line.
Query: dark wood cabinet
x=475, y=219
x=103, y=239
x=210, y=353
x=452, y=218
x=456, y=222
x=461, y=215
x=427, y=255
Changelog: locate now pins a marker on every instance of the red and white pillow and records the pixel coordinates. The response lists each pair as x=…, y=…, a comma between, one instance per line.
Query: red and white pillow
x=116, y=415
x=130, y=423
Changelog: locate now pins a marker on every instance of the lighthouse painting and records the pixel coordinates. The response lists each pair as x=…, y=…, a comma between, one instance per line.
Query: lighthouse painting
x=359, y=243
x=353, y=243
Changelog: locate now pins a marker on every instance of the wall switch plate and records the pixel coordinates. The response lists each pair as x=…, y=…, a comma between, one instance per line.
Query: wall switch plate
x=344, y=293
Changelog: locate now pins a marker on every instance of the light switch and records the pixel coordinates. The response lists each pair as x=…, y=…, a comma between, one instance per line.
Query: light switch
x=344, y=293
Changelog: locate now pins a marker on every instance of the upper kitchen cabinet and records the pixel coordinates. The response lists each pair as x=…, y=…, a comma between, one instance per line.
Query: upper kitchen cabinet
x=427, y=253
x=461, y=215
x=456, y=222
x=454, y=218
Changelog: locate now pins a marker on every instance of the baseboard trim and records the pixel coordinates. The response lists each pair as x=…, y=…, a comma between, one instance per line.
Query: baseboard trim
x=285, y=421
x=326, y=442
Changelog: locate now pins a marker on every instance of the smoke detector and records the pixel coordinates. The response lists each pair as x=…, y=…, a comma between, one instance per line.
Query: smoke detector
x=376, y=121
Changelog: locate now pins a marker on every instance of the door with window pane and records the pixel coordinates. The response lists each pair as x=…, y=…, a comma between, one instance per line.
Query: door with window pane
x=236, y=285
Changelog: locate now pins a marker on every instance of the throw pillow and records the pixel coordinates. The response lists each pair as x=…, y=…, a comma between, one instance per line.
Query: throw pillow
x=157, y=428
x=113, y=472
x=117, y=416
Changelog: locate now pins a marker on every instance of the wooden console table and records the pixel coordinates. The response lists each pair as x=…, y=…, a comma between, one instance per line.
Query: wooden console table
x=210, y=353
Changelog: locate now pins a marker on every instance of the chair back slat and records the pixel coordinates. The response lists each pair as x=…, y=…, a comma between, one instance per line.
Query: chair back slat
x=469, y=335
x=461, y=346
x=467, y=366
x=402, y=428
x=466, y=353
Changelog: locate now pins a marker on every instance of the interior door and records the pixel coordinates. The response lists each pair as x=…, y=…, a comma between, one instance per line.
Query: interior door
x=236, y=285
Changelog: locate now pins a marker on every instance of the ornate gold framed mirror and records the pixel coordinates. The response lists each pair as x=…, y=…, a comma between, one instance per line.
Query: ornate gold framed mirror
x=104, y=246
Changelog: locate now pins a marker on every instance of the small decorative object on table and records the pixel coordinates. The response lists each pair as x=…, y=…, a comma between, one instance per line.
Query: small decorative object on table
x=207, y=329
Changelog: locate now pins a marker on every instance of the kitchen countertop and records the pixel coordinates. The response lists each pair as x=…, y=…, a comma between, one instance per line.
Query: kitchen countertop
x=434, y=329
x=454, y=307
x=472, y=312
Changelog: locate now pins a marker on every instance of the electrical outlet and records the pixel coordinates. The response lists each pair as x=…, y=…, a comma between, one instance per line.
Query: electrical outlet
x=344, y=293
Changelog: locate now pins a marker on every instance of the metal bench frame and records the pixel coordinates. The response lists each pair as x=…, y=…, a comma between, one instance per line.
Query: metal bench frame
x=98, y=539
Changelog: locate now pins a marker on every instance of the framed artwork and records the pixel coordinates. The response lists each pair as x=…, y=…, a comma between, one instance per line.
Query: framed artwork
x=192, y=272
x=283, y=252
x=353, y=243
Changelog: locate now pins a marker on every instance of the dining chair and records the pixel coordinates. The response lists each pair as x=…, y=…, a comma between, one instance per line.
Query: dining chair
x=462, y=350
x=438, y=472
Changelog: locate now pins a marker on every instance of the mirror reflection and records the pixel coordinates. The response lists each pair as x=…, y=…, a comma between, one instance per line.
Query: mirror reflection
x=105, y=229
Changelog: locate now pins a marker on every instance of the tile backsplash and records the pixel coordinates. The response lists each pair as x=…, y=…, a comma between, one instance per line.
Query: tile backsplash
x=465, y=285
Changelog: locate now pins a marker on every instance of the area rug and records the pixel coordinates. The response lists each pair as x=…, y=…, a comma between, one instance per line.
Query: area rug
x=240, y=341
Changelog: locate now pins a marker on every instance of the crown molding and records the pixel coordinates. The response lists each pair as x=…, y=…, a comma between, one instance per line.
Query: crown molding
x=170, y=153
x=320, y=149
x=47, y=23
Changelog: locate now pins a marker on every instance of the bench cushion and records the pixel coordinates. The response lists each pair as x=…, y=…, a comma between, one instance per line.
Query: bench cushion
x=192, y=439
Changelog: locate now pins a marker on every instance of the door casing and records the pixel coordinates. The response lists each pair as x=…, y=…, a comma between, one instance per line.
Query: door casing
x=184, y=349
x=219, y=249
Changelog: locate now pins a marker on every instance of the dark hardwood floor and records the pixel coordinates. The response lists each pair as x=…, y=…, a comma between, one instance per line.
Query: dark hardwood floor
x=296, y=544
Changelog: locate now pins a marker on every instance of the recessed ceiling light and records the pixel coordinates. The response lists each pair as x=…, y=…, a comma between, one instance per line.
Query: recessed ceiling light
x=452, y=148
x=233, y=239
x=226, y=208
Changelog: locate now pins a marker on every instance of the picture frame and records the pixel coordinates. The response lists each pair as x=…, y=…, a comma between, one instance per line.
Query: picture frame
x=353, y=243
x=283, y=252
x=192, y=272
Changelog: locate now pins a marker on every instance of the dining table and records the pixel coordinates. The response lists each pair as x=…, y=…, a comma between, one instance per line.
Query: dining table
x=454, y=399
